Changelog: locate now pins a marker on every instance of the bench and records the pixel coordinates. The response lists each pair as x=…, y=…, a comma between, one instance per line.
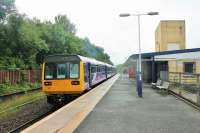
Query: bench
x=164, y=86
x=158, y=83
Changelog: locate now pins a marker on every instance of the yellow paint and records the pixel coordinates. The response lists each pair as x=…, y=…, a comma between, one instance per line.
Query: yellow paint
x=176, y=71
x=171, y=31
x=43, y=71
x=64, y=86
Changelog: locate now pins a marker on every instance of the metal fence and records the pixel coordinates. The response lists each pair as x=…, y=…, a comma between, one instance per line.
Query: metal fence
x=184, y=78
x=19, y=76
x=188, y=82
x=186, y=85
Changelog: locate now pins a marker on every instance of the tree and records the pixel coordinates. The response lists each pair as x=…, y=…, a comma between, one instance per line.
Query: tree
x=65, y=23
x=24, y=41
x=21, y=39
x=6, y=7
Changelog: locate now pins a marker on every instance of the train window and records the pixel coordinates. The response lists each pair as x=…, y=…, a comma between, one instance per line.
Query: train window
x=61, y=71
x=93, y=69
x=74, y=70
x=86, y=73
x=49, y=70
x=100, y=69
x=103, y=69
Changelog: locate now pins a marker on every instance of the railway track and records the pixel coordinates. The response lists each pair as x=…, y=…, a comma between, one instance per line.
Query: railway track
x=8, y=96
x=21, y=105
x=187, y=101
x=30, y=122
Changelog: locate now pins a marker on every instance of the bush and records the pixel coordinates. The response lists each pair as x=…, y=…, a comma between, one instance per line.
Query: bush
x=9, y=89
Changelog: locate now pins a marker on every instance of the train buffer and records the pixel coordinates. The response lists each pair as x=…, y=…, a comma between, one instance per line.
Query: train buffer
x=115, y=107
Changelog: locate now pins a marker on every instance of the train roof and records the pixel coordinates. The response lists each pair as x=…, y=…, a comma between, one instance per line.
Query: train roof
x=93, y=61
x=62, y=57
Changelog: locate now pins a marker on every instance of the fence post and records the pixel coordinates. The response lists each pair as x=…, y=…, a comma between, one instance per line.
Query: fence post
x=197, y=79
x=180, y=87
x=179, y=78
x=198, y=91
x=198, y=97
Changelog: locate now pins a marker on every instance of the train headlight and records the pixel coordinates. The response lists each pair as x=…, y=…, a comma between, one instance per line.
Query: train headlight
x=75, y=82
x=47, y=83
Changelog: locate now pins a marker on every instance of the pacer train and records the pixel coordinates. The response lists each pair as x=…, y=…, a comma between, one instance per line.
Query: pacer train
x=68, y=75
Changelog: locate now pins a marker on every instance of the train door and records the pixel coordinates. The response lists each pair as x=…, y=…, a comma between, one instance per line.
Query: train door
x=106, y=72
x=86, y=75
x=89, y=74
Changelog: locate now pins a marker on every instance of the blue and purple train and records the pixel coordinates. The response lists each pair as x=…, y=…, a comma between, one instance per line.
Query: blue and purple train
x=67, y=75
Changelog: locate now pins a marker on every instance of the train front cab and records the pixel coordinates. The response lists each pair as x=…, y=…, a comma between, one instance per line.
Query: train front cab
x=63, y=79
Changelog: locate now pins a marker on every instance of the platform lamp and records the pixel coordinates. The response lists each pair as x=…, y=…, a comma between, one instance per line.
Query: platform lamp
x=139, y=73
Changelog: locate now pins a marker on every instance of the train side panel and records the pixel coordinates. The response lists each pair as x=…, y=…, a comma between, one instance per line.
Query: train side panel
x=98, y=75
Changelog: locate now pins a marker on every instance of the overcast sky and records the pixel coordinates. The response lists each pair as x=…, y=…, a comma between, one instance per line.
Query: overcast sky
x=99, y=21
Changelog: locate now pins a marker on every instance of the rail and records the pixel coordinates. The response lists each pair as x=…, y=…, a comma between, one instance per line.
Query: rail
x=30, y=122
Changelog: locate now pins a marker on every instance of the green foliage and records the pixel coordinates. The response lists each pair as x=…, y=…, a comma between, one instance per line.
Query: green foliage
x=23, y=40
x=6, y=7
x=20, y=41
x=11, y=62
x=96, y=51
x=65, y=24
x=8, y=88
x=12, y=106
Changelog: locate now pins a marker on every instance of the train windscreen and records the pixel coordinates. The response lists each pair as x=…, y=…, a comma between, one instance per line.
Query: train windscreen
x=61, y=71
x=74, y=70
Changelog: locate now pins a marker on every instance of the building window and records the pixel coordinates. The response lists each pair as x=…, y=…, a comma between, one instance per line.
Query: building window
x=189, y=67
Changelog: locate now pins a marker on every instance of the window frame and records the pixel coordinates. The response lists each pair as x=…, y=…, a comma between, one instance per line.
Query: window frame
x=193, y=67
x=70, y=71
x=45, y=71
x=67, y=72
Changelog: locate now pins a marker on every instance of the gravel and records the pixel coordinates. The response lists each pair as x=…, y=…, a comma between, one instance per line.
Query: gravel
x=24, y=114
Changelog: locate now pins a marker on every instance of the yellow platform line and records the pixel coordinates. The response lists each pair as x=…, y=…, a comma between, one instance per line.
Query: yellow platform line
x=70, y=116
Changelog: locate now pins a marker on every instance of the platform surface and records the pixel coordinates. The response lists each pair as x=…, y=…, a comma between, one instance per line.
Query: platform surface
x=121, y=111
x=67, y=118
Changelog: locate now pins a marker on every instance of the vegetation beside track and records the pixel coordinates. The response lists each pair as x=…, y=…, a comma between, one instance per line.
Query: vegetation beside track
x=11, y=106
x=7, y=88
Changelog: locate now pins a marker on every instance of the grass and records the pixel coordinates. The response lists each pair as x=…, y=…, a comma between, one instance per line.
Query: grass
x=13, y=105
x=9, y=89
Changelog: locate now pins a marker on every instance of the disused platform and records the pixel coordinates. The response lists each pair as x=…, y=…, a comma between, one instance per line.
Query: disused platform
x=121, y=111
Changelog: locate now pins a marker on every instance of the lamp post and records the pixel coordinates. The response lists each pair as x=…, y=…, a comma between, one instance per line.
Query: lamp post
x=139, y=73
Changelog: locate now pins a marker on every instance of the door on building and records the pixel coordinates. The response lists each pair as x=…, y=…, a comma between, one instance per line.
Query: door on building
x=162, y=70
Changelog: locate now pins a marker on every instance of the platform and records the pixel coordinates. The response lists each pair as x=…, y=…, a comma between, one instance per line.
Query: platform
x=114, y=107
x=67, y=118
x=121, y=111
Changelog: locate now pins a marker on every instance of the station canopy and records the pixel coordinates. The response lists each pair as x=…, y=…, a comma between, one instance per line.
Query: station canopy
x=179, y=56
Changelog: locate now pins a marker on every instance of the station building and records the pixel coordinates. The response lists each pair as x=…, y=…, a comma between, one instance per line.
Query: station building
x=171, y=61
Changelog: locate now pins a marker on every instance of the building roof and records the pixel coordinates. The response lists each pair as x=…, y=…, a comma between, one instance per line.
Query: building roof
x=152, y=54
